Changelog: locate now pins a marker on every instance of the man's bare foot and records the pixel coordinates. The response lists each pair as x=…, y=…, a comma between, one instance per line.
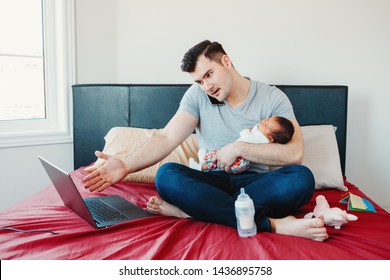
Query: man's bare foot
x=306, y=228
x=156, y=205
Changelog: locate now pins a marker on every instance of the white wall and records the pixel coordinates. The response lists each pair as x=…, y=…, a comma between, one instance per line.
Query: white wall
x=22, y=175
x=279, y=42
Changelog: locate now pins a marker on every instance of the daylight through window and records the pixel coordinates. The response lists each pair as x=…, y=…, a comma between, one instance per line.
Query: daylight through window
x=22, y=88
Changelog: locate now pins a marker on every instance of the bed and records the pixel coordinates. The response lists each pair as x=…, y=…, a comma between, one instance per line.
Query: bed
x=50, y=230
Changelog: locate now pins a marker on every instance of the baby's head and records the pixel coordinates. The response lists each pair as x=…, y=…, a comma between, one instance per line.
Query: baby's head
x=277, y=129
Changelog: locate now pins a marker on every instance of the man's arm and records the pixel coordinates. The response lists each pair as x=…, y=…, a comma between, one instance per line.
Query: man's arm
x=152, y=151
x=271, y=154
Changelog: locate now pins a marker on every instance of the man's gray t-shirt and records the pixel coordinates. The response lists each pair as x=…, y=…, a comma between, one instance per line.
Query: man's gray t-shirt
x=221, y=124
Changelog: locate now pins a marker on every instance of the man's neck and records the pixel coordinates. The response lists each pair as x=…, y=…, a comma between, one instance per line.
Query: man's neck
x=239, y=93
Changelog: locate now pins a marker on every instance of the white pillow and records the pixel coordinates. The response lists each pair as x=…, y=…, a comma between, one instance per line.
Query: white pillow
x=322, y=156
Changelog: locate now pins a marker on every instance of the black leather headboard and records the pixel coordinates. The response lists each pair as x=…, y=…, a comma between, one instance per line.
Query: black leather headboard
x=98, y=108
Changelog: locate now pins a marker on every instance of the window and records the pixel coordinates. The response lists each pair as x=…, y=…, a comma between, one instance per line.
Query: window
x=21, y=59
x=36, y=71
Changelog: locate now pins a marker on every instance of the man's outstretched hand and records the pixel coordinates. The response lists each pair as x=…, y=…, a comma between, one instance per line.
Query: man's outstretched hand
x=111, y=172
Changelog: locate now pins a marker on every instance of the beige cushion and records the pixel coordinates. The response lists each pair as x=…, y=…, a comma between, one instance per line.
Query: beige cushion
x=322, y=156
x=122, y=141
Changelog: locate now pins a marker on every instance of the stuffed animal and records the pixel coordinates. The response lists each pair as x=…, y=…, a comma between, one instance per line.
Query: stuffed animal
x=334, y=217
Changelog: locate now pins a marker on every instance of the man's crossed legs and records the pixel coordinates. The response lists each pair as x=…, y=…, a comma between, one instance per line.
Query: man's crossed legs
x=210, y=197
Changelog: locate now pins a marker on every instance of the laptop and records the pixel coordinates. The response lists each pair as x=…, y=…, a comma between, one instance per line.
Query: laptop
x=101, y=211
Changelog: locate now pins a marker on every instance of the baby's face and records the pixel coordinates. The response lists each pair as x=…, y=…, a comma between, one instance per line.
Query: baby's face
x=267, y=126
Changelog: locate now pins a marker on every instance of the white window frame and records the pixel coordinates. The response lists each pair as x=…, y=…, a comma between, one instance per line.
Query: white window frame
x=59, y=46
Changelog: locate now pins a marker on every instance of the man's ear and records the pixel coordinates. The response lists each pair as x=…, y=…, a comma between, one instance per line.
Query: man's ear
x=225, y=60
x=270, y=139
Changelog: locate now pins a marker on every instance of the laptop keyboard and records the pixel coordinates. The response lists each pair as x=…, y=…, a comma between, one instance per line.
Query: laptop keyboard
x=102, y=212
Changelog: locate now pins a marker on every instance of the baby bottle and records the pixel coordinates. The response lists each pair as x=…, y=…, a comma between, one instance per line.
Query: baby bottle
x=245, y=212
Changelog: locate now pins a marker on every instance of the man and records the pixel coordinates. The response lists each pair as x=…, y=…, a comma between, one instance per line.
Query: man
x=218, y=106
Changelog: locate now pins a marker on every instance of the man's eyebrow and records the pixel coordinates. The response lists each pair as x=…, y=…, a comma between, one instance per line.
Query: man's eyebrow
x=204, y=76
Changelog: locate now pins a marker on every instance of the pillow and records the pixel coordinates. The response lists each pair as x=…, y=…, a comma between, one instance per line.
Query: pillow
x=122, y=141
x=321, y=156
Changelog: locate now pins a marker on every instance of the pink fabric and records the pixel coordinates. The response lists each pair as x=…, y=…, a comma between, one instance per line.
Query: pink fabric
x=238, y=166
x=160, y=237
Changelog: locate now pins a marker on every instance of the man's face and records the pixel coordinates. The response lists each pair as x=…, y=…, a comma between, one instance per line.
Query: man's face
x=214, y=78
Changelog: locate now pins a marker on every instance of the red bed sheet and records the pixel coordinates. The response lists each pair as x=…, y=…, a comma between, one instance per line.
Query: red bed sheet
x=160, y=237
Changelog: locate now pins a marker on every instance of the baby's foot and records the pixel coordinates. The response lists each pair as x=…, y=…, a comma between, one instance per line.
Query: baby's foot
x=156, y=205
x=306, y=228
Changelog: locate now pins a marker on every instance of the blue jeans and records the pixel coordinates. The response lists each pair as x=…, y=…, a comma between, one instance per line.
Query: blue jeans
x=210, y=196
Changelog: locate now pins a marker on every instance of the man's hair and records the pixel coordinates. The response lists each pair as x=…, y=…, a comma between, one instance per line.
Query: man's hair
x=211, y=50
x=285, y=132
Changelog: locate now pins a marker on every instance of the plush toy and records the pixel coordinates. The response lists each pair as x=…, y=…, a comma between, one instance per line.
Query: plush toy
x=334, y=217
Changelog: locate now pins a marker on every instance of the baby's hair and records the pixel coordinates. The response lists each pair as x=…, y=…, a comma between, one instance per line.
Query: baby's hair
x=284, y=133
